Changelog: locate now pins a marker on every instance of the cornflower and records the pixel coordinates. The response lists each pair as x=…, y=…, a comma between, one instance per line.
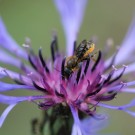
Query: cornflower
x=91, y=84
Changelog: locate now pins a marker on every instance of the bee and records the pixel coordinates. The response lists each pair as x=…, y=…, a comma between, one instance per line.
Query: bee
x=84, y=49
x=71, y=65
x=81, y=53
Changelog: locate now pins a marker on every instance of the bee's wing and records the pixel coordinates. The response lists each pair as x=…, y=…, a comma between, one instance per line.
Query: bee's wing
x=80, y=49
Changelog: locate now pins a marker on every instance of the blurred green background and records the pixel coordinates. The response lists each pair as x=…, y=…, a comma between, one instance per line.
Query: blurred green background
x=37, y=19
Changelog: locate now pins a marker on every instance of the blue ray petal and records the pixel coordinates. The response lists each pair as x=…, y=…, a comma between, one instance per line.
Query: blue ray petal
x=5, y=113
x=7, y=42
x=71, y=12
x=8, y=87
x=121, y=108
x=13, y=100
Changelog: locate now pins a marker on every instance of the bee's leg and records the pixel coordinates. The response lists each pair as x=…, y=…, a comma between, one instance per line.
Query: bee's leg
x=93, y=55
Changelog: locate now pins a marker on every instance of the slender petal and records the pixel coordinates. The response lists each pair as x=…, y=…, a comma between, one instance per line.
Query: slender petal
x=7, y=73
x=91, y=126
x=5, y=113
x=87, y=126
x=130, y=113
x=13, y=100
x=122, y=108
x=132, y=83
x=125, y=69
x=77, y=128
x=7, y=42
x=127, y=47
x=130, y=68
x=128, y=90
x=8, y=59
x=8, y=87
x=71, y=12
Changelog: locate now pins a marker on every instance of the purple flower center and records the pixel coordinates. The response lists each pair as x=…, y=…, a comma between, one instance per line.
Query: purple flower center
x=82, y=84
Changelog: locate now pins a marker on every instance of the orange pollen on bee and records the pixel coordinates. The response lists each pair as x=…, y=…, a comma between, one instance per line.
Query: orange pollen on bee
x=91, y=49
